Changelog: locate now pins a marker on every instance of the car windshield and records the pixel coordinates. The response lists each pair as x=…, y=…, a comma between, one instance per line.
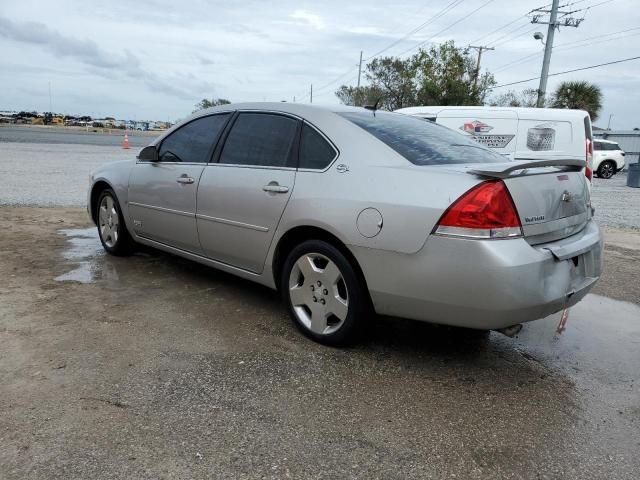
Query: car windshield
x=420, y=141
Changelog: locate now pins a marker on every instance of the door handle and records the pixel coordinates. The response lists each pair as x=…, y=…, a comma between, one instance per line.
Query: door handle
x=275, y=188
x=185, y=180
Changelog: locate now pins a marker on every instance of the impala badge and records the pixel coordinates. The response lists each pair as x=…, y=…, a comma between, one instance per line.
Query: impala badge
x=342, y=168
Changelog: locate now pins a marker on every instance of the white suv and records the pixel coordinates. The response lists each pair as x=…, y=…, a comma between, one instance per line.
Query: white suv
x=608, y=158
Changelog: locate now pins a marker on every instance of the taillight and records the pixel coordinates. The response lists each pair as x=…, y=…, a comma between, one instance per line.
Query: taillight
x=589, y=158
x=588, y=173
x=485, y=211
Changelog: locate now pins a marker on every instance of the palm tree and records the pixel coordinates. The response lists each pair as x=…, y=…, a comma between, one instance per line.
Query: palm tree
x=578, y=94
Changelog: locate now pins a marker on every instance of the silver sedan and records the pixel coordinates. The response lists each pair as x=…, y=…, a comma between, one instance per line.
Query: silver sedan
x=349, y=211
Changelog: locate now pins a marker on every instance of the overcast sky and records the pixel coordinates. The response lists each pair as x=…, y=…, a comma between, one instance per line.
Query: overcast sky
x=154, y=59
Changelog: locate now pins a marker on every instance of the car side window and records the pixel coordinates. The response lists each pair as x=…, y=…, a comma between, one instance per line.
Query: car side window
x=597, y=146
x=315, y=151
x=193, y=142
x=261, y=139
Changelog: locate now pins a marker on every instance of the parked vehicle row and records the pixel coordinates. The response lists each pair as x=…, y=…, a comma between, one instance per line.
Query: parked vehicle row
x=608, y=158
x=350, y=212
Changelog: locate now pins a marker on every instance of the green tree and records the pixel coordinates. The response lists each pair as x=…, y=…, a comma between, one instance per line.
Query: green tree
x=359, y=96
x=526, y=98
x=580, y=95
x=446, y=75
x=206, y=103
x=393, y=79
x=441, y=75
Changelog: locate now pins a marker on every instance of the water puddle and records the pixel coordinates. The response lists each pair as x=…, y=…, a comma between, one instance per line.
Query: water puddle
x=600, y=334
x=83, y=252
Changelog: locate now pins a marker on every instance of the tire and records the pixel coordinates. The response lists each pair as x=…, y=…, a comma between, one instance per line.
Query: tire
x=606, y=169
x=112, y=230
x=324, y=294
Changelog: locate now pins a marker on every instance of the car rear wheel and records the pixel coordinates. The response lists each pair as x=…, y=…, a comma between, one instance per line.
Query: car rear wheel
x=111, y=228
x=323, y=293
x=606, y=169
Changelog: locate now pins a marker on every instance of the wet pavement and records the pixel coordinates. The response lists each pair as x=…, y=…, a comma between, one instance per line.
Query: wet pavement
x=152, y=366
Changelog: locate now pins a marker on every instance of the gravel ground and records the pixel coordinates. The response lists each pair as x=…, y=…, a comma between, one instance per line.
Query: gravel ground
x=616, y=204
x=154, y=367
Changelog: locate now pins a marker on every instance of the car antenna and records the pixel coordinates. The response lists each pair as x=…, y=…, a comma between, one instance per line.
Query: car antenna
x=373, y=107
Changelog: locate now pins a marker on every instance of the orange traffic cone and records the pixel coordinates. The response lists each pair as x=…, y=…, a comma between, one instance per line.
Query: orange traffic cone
x=125, y=143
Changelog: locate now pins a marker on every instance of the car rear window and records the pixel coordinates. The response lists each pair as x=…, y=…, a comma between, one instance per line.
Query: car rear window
x=420, y=141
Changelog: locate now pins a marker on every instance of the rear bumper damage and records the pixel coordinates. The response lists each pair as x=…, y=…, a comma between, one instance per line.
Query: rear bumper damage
x=483, y=284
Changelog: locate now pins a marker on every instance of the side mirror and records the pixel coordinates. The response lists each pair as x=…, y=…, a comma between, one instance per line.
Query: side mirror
x=148, y=154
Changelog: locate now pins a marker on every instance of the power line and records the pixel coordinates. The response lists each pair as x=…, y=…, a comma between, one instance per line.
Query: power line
x=496, y=40
x=527, y=32
x=439, y=14
x=567, y=71
x=446, y=28
x=569, y=45
x=429, y=21
x=498, y=29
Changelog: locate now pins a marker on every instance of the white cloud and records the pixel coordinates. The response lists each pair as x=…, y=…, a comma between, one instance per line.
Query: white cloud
x=309, y=18
x=152, y=58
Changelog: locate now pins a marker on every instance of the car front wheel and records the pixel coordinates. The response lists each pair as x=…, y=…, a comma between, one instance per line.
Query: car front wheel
x=111, y=228
x=324, y=295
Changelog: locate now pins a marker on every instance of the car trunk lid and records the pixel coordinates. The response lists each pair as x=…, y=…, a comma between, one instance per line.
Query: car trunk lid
x=551, y=196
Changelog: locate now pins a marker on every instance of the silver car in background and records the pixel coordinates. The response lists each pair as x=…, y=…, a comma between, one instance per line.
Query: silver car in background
x=349, y=211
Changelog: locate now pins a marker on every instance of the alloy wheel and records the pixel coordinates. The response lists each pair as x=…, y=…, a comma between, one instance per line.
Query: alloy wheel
x=606, y=170
x=108, y=221
x=318, y=293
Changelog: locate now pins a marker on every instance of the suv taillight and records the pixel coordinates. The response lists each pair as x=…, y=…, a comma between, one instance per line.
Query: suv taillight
x=486, y=211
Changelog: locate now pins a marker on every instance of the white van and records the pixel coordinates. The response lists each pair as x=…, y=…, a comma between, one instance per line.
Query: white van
x=519, y=133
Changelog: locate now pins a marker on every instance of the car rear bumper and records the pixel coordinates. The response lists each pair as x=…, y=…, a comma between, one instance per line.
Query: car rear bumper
x=483, y=284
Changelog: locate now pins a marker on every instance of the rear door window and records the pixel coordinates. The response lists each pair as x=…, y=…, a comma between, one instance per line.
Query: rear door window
x=315, y=152
x=261, y=139
x=420, y=142
x=193, y=142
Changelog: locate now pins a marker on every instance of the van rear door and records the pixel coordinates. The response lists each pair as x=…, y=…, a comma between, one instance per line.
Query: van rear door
x=495, y=129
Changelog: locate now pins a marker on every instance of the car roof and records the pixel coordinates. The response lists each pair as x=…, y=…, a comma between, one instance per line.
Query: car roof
x=604, y=141
x=521, y=112
x=301, y=109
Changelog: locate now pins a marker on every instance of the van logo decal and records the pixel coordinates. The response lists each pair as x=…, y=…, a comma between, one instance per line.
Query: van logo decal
x=535, y=218
x=478, y=131
x=476, y=127
x=342, y=168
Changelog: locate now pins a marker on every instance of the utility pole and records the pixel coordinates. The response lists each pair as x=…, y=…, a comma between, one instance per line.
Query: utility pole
x=50, y=103
x=553, y=24
x=480, y=49
x=311, y=94
x=359, y=68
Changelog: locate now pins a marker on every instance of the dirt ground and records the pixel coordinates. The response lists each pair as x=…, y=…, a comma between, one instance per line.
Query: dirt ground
x=156, y=367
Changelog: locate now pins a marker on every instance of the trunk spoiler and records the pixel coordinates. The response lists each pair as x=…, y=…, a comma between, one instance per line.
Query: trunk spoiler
x=504, y=170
